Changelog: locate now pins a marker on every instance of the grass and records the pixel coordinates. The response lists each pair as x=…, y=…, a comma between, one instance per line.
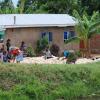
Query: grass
x=49, y=82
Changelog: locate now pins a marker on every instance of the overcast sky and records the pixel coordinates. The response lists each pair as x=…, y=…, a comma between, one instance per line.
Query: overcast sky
x=15, y=2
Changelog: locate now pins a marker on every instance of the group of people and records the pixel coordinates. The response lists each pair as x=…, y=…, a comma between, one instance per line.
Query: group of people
x=12, y=53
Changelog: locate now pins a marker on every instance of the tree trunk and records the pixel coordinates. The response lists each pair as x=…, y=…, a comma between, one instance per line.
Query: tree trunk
x=85, y=48
x=82, y=48
x=88, y=50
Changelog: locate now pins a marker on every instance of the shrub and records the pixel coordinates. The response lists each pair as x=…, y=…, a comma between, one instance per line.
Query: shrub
x=41, y=45
x=71, y=58
x=30, y=51
x=78, y=53
x=54, y=49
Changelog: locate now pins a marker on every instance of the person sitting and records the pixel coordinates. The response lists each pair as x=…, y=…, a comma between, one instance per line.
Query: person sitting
x=5, y=56
x=23, y=46
x=13, y=52
x=66, y=53
x=9, y=57
x=47, y=54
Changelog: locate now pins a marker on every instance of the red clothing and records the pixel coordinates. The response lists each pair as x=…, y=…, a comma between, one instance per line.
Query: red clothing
x=14, y=52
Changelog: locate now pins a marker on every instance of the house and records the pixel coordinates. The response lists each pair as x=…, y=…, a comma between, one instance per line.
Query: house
x=32, y=27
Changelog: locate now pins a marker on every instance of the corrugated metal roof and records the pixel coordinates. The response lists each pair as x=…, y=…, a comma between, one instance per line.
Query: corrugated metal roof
x=36, y=20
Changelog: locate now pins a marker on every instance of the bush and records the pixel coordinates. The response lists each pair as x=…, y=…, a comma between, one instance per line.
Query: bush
x=54, y=50
x=30, y=51
x=41, y=45
x=71, y=58
x=78, y=53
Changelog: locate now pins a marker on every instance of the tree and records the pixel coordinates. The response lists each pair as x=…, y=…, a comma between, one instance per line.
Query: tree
x=21, y=5
x=7, y=6
x=48, y=6
x=87, y=27
x=89, y=6
x=58, y=6
x=29, y=6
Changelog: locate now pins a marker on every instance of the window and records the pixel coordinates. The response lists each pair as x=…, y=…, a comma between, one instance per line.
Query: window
x=43, y=34
x=72, y=33
x=65, y=36
x=48, y=35
x=68, y=35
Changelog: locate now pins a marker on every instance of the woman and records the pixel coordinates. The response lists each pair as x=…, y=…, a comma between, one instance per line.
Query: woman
x=19, y=56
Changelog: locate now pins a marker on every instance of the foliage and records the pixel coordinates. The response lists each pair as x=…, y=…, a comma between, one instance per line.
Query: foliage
x=6, y=7
x=78, y=54
x=50, y=6
x=49, y=82
x=21, y=6
x=71, y=58
x=41, y=44
x=54, y=49
x=73, y=39
x=30, y=51
x=59, y=6
x=87, y=27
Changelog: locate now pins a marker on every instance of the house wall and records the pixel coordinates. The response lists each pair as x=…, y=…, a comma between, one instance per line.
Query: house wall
x=31, y=35
x=95, y=44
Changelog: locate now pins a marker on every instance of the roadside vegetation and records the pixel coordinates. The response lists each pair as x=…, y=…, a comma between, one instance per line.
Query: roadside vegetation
x=49, y=82
x=54, y=82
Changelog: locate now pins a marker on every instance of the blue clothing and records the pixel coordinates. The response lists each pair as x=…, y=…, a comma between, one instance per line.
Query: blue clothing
x=66, y=53
x=19, y=57
x=5, y=58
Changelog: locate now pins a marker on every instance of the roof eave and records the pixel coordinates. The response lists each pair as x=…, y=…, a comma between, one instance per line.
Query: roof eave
x=45, y=25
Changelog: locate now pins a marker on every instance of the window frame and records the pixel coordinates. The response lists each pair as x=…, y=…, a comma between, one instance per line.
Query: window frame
x=69, y=36
x=47, y=34
x=2, y=36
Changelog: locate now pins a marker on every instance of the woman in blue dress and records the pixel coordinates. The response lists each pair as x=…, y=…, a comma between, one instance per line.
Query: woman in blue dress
x=19, y=57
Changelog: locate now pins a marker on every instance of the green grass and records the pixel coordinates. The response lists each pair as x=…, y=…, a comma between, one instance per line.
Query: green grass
x=49, y=82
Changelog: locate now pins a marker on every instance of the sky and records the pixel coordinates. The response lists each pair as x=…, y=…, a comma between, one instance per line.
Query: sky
x=15, y=2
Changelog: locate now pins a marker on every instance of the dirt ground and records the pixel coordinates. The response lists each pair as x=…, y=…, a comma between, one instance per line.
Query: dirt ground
x=56, y=60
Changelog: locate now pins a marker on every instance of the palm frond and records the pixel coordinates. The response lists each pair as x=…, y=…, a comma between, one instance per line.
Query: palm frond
x=94, y=29
x=95, y=25
x=95, y=16
x=73, y=39
x=76, y=15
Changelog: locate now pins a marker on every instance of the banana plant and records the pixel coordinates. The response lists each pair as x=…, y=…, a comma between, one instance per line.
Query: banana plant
x=86, y=28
